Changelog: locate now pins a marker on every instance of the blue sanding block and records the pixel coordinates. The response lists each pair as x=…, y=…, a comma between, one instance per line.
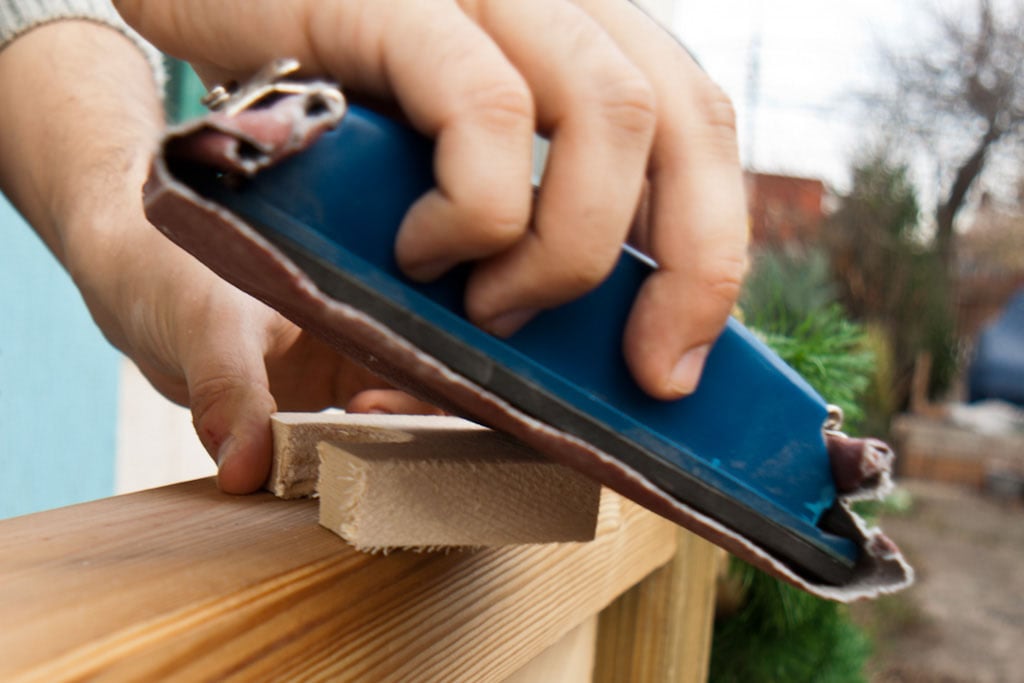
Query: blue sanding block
x=747, y=448
x=296, y=198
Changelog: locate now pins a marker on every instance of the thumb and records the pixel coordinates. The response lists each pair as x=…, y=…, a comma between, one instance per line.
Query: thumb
x=231, y=405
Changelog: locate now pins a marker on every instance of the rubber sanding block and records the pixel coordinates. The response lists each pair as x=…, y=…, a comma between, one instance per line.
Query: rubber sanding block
x=296, y=197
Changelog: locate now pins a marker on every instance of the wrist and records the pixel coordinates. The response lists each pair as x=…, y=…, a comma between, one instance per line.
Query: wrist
x=80, y=126
x=79, y=131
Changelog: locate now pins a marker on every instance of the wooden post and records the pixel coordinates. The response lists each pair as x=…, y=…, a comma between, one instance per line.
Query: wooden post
x=570, y=660
x=660, y=630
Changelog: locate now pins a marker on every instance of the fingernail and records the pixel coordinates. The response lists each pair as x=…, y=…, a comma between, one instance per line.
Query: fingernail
x=225, y=451
x=686, y=374
x=506, y=324
x=428, y=270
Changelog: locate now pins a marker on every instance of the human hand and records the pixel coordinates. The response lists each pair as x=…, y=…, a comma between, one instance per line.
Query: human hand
x=643, y=146
x=206, y=345
x=77, y=148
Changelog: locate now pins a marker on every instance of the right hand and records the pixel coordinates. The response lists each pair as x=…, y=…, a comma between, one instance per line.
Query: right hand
x=628, y=112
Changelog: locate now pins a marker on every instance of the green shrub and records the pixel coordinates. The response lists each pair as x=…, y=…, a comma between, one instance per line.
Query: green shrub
x=789, y=300
x=783, y=635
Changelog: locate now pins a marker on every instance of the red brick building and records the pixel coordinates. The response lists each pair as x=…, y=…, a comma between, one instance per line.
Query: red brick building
x=784, y=208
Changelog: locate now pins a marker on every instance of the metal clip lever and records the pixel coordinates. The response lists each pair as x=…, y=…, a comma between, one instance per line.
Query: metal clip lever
x=232, y=99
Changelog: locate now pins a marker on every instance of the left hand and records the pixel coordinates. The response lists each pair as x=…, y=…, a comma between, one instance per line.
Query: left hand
x=76, y=172
x=206, y=345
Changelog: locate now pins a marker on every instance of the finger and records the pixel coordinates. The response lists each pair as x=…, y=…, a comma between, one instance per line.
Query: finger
x=477, y=106
x=598, y=111
x=451, y=81
x=217, y=38
x=698, y=226
x=391, y=402
x=231, y=406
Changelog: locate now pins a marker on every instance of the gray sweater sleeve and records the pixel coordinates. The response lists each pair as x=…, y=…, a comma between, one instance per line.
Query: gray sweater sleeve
x=19, y=16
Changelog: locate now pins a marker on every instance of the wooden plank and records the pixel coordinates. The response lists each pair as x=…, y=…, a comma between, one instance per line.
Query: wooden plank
x=951, y=470
x=942, y=451
x=443, y=481
x=660, y=630
x=187, y=582
x=945, y=439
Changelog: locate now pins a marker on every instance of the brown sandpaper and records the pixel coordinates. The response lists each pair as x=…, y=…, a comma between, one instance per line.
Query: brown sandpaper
x=253, y=139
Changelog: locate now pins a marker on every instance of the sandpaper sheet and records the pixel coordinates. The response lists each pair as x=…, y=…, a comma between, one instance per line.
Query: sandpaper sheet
x=244, y=142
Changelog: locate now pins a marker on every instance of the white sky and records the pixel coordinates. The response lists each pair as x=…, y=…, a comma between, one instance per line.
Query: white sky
x=815, y=55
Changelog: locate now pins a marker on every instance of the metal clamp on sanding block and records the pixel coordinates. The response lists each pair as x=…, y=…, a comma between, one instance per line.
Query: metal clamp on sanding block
x=296, y=197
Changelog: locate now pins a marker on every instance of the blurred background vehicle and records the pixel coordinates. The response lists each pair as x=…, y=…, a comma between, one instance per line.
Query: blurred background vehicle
x=997, y=369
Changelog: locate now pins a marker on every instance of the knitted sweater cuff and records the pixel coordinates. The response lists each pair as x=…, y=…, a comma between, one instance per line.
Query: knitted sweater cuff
x=19, y=16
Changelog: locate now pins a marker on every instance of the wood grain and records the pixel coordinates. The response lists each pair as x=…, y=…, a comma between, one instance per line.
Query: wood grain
x=570, y=660
x=660, y=630
x=436, y=481
x=189, y=583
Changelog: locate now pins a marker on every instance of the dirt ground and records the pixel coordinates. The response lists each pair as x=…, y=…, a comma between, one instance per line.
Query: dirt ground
x=964, y=619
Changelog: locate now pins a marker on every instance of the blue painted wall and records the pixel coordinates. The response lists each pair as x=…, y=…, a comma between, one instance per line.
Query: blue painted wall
x=58, y=382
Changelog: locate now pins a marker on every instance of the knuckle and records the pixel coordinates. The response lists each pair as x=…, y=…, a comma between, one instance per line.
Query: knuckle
x=479, y=82
x=724, y=279
x=502, y=105
x=206, y=394
x=629, y=104
x=495, y=222
x=718, y=107
x=494, y=217
x=719, y=115
x=621, y=91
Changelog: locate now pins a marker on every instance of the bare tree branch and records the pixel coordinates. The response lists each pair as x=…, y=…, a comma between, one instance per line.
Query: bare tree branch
x=961, y=96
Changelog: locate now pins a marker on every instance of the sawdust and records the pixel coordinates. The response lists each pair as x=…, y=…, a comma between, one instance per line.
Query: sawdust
x=964, y=620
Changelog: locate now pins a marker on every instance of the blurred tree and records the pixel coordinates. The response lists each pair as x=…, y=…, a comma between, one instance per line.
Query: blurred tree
x=888, y=276
x=962, y=95
x=871, y=235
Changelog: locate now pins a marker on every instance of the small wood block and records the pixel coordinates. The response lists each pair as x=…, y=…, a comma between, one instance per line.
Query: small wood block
x=436, y=481
x=293, y=472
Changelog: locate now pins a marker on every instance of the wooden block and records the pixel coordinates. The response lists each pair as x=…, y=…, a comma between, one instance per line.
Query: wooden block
x=423, y=481
x=293, y=472
x=433, y=481
x=186, y=583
